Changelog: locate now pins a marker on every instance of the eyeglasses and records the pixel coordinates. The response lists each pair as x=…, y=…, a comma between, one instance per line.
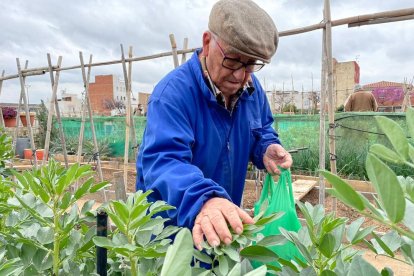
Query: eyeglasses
x=235, y=64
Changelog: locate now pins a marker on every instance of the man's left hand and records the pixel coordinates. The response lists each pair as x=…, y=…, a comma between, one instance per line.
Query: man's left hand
x=275, y=156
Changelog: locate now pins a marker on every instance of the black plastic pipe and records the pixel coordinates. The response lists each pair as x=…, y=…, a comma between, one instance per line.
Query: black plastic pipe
x=101, y=253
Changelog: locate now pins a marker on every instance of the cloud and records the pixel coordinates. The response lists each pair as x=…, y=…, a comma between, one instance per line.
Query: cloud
x=31, y=29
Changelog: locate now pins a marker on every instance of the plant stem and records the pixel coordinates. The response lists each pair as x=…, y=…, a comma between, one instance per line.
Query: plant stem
x=392, y=225
x=56, y=240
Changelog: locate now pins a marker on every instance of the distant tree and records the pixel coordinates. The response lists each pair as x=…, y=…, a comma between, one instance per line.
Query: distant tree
x=117, y=105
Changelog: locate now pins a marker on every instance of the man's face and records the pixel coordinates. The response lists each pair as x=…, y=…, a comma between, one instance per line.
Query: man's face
x=227, y=80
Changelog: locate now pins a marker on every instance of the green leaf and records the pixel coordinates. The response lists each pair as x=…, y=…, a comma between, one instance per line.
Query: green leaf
x=386, y=154
x=223, y=265
x=26, y=254
x=179, y=255
x=66, y=179
x=236, y=270
x=327, y=245
x=84, y=188
x=65, y=201
x=259, y=253
x=43, y=260
x=383, y=245
x=388, y=188
x=99, y=186
x=362, y=234
x=302, y=249
x=121, y=209
x=11, y=267
x=260, y=271
x=360, y=267
x=353, y=228
x=103, y=242
x=408, y=217
x=268, y=219
x=328, y=272
x=272, y=240
x=87, y=206
x=231, y=252
x=117, y=221
x=45, y=235
x=202, y=257
x=409, y=115
x=345, y=192
x=395, y=134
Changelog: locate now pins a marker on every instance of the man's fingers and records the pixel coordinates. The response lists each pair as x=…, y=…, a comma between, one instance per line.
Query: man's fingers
x=198, y=236
x=209, y=231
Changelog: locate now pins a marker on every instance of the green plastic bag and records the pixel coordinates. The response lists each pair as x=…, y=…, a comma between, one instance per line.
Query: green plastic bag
x=280, y=199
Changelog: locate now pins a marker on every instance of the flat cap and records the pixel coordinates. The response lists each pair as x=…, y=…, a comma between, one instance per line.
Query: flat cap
x=246, y=27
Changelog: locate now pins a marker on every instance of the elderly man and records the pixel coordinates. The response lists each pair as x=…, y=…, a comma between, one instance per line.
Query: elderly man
x=361, y=100
x=207, y=119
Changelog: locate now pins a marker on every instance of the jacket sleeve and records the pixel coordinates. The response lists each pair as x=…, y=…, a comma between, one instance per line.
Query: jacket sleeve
x=166, y=162
x=265, y=135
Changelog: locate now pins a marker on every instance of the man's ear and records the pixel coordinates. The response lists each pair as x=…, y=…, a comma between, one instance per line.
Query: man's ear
x=206, y=43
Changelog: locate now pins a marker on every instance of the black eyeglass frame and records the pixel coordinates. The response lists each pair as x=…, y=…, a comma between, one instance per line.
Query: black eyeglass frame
x=250, y=67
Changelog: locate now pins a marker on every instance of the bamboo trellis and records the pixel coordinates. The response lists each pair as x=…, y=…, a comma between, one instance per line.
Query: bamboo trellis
x=326, y=72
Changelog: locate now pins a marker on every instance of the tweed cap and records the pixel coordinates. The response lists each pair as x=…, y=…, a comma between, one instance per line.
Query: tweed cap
x=245, y=27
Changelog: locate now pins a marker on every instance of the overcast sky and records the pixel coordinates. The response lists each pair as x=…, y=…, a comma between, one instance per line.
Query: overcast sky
x=31, y=29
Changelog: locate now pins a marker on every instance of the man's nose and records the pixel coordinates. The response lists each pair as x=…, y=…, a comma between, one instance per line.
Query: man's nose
x=239, y=74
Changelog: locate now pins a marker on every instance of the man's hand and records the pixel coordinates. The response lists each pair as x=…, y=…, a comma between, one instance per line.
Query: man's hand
x=274, y=156
x=213, y=219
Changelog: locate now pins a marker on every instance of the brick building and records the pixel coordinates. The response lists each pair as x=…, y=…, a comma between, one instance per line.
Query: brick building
x=107, y=94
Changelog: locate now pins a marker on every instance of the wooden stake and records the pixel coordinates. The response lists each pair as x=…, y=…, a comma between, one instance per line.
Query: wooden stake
x=26, y=107
x=16, y=131
x=95, y=142
x=120, y=190
x=59, y=120
x=322, y=122
x=55, y=83
x=174, y=50
x=331, y=103
x=184, y=55
x=83, y=115
x=128, y=114
x=133, y=133
x=1, y=111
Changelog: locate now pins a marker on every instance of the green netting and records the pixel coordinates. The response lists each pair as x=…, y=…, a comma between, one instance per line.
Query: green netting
x=111, y=129
x=354, y=133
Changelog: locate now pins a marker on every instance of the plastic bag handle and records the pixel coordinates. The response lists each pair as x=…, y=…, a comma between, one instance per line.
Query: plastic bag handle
x=268, y=184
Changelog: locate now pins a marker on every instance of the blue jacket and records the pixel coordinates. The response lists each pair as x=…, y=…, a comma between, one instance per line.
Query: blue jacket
x=193, y=149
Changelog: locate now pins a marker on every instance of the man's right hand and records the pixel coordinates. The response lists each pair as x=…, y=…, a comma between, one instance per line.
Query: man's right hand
x=213, y=219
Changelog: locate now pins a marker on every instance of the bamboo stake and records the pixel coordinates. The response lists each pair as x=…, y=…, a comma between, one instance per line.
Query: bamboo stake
x=184, y=55
x=128, y=115
x=322, y=122
x=16, y=131
x=95, y=142
x=1, y=111
x=52, y=110
x=331, y=105
x=26, y=106
x=174, y=50
x=133, y=133
x=291, y=96
x=83, y=112
x=57, y=109
x=82, y=127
